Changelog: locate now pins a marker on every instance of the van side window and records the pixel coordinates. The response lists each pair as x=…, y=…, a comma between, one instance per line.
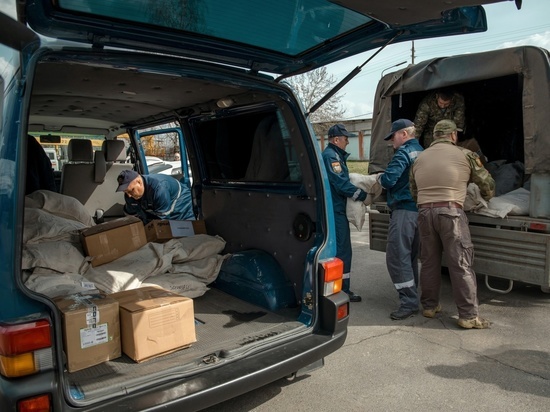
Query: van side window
x=250, y=147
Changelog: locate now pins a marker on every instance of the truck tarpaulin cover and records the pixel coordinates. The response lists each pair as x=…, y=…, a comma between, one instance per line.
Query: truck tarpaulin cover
x=529, y=64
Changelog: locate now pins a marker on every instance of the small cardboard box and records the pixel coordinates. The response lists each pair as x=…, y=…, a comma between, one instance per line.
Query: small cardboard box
x=91, y=329
x=154, y=321
x=164, y=230
x=110, y=240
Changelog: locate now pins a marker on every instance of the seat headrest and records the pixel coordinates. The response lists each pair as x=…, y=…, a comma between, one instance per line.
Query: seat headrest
x=80, y=150
x=114, y=150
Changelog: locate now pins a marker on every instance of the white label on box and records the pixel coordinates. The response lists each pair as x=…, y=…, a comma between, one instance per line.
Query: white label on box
x=181, y=228
x=94, y=336
x=92, y=316
x=88, y=285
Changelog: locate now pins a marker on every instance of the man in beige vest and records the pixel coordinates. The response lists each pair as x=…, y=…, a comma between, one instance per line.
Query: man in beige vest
x=438, y=181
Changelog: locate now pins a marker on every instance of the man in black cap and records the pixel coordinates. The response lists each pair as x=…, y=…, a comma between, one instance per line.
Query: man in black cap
x=155, y=196
x=334, y=157
x=403, y=241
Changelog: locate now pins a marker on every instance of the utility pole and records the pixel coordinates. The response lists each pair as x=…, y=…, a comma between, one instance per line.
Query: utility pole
x=412, y=53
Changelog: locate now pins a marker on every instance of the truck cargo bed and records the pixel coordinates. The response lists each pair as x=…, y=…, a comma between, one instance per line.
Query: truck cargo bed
x=516, y=248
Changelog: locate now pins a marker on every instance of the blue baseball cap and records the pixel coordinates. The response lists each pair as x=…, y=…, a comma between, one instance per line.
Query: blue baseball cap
x=399, y=124
x=125, y=178
x=338, y=130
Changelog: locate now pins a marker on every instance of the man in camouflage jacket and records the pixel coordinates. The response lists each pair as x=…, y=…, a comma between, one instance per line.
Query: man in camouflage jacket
x=438, y=106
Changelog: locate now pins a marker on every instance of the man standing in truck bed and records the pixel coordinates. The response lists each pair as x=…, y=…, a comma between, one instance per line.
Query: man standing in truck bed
x=439, y=180
x=439, y=105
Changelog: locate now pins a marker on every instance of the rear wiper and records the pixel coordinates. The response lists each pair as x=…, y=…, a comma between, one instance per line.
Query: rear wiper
x=346, y=79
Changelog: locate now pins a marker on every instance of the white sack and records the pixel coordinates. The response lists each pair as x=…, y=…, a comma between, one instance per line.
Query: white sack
x=40, y=225
x=515, y=202
x=59, y=205
x=355, y=210
x=57, y=284
x=61, y=256
x=131, y=270
x=180, y=283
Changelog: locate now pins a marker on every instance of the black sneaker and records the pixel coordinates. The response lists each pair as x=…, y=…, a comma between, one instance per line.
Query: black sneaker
x=402, y=313
x=353, y=297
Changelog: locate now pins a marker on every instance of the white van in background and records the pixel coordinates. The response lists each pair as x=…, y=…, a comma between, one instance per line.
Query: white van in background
x=53, y=158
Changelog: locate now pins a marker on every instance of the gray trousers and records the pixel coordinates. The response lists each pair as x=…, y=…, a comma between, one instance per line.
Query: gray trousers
x=402, y=256
x=445, y=230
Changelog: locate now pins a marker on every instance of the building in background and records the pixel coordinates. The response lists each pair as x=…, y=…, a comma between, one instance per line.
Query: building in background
x=359, y=143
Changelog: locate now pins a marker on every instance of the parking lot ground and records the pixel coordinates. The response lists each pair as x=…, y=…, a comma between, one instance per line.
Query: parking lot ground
x=421, y=364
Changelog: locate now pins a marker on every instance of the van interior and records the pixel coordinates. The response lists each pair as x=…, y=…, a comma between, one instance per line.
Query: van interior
x=253, y=187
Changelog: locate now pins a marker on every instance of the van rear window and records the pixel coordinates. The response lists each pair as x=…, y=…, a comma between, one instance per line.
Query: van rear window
x=288, y=26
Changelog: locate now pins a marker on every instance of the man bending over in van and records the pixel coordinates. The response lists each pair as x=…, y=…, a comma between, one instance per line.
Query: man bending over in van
x=152, y=197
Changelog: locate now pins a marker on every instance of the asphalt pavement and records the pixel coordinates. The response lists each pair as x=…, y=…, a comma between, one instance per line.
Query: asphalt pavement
x=421, y=364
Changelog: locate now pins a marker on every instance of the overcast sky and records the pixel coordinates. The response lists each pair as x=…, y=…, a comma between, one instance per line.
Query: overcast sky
x=507, y=27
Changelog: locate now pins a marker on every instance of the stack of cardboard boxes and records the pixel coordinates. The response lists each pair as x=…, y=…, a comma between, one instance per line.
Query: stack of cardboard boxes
x=141, y=323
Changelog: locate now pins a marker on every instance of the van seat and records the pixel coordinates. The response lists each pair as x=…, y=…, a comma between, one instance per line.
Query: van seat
x=106, y=198
x=78, y=170
x=114, y=151
x=80, y=150
x=94, y=183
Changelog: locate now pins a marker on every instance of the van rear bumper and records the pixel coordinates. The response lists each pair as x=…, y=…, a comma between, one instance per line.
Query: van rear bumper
x=228, y=381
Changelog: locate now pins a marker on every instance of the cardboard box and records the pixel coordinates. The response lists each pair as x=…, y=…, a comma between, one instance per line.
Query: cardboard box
x=154, y=321
x=110, y=240
x=163, y=230
x=91, y=329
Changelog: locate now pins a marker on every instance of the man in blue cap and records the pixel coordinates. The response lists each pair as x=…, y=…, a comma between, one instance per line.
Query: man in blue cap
x=155, y=196
x=334, y=158
x=403, y=240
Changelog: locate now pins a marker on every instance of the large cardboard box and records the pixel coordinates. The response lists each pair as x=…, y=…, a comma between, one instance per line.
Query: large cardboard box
x=163, y=230
x=91, y=329
x=110, y=240
x=154, y=321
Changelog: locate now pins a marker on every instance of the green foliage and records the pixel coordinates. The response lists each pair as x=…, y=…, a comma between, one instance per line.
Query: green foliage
x=358, y=167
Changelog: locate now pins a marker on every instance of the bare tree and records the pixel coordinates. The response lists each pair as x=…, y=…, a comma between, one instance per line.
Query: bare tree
x=310, y=88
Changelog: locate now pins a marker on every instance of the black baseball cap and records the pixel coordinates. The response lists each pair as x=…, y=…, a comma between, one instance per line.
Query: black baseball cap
x=125, y=178
x=338, y=130
x=399, y=124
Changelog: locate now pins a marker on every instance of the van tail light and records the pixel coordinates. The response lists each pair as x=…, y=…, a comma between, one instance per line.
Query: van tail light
x=333, y=271
x=25, y=348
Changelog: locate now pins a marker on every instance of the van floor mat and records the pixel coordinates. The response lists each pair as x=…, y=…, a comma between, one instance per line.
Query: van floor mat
x=225, y=326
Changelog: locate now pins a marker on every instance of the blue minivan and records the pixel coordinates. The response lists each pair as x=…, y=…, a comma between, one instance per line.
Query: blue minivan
x=208, y=78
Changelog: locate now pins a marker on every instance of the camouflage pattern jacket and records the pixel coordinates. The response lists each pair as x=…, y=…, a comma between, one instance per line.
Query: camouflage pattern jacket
x=429, y=113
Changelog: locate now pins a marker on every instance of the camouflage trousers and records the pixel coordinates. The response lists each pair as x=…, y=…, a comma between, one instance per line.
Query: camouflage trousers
x=445, y=230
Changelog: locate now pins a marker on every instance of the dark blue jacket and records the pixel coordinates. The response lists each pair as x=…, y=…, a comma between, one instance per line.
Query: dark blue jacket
x=164, y=198
x=396, y=177
x=338, y=176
